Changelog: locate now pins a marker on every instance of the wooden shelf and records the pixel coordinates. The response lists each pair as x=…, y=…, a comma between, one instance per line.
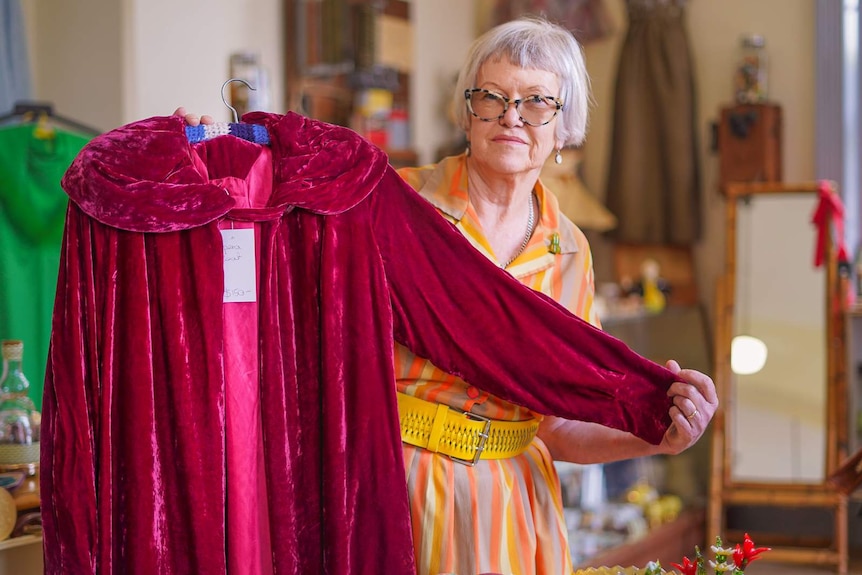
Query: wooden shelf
x=668, y=543
x=327, y=71
x=20, y=541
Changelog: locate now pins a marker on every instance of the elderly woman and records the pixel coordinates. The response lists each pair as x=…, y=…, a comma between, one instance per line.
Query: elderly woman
x=521, y=96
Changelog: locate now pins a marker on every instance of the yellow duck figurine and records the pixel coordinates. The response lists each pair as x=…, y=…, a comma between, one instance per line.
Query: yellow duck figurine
x=653, y=298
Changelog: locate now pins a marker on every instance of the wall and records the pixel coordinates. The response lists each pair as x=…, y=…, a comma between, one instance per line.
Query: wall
x=109, y=62
x=76, y=51
x=714, y=29
x=441, y=44
x=182, y=49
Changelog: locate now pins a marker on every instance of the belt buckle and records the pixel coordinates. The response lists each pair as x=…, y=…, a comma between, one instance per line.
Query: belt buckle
x=483, y=438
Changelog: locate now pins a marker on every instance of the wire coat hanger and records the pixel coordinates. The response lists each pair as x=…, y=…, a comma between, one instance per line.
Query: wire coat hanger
x=224, y=99
x=251, y=132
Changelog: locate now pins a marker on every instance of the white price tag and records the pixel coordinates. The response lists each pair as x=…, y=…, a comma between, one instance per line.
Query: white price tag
x=239, y=265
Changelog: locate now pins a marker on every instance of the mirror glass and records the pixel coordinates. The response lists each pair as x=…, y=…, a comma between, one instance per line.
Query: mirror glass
x=779, y=413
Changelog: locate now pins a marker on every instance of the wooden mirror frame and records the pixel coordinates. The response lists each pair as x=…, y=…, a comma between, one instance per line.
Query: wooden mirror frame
x=724, y=491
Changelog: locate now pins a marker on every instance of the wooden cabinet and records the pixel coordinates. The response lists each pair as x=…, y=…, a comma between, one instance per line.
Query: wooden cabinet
x=749, y=142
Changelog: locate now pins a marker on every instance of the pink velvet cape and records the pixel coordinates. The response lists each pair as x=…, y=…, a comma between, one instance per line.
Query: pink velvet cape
x=133, y=447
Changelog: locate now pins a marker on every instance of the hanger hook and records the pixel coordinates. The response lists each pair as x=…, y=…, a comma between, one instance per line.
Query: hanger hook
x=224, y=100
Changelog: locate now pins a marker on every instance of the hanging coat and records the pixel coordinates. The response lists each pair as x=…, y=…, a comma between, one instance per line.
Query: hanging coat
x=32, y=215
x=134, y=463
x=653, y=174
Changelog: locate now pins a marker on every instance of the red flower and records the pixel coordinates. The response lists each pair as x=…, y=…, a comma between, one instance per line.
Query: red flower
x=687, y=567
x=744, y=555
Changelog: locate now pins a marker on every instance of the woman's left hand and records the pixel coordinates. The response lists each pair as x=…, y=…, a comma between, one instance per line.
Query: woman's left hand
x=193, y=119
x=694, y=404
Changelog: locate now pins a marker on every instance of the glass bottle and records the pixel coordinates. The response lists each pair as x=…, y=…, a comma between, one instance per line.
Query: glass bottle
x=751, y=76
x=19, y=421
x=12, y=379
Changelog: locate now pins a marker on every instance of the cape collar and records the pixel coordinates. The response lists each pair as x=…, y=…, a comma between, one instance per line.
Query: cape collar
x=142, y=176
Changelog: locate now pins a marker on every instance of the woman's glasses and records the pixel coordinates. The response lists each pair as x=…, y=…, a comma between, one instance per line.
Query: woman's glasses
x=533, y=110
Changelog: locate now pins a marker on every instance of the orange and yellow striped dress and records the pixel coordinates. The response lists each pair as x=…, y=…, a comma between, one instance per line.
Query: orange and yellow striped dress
x=501, y=516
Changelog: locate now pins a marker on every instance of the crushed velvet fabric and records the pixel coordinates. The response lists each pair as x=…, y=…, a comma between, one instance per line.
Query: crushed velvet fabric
x=133, y=448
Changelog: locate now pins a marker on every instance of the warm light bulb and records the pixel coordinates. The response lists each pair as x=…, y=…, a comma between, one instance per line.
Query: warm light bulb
x=747, y=355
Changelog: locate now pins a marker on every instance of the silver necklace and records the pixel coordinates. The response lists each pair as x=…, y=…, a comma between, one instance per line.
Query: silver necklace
x=527, y=236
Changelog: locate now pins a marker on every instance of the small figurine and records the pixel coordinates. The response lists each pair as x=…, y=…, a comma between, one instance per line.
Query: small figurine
x=652, y=286
x=650, y=291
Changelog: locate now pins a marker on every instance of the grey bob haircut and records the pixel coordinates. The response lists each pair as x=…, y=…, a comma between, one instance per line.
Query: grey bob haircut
x=535, y=43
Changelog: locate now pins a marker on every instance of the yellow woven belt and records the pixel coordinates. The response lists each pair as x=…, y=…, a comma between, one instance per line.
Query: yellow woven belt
x=465, y=437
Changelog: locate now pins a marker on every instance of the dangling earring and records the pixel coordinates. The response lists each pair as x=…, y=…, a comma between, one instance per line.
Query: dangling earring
x=467, y=151
x=558, y=157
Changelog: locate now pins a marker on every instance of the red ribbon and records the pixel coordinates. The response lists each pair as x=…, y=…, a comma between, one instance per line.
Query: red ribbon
x=829, y=207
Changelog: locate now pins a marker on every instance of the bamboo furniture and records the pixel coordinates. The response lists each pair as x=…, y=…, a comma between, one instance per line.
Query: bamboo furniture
x=727, y=491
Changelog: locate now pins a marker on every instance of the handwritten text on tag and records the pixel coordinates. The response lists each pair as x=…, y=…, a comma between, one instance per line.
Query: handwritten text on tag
x=239, y=267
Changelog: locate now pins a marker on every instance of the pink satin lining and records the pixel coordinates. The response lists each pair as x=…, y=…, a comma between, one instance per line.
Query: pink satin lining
x=249, y=548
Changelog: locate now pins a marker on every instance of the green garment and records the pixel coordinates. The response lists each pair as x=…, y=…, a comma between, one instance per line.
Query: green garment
x=32, y=217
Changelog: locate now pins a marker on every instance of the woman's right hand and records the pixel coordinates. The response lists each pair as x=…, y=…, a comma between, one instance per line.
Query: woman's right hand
x=192, y=119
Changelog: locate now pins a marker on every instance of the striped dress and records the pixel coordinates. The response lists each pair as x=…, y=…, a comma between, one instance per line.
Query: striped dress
x=501, y=516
